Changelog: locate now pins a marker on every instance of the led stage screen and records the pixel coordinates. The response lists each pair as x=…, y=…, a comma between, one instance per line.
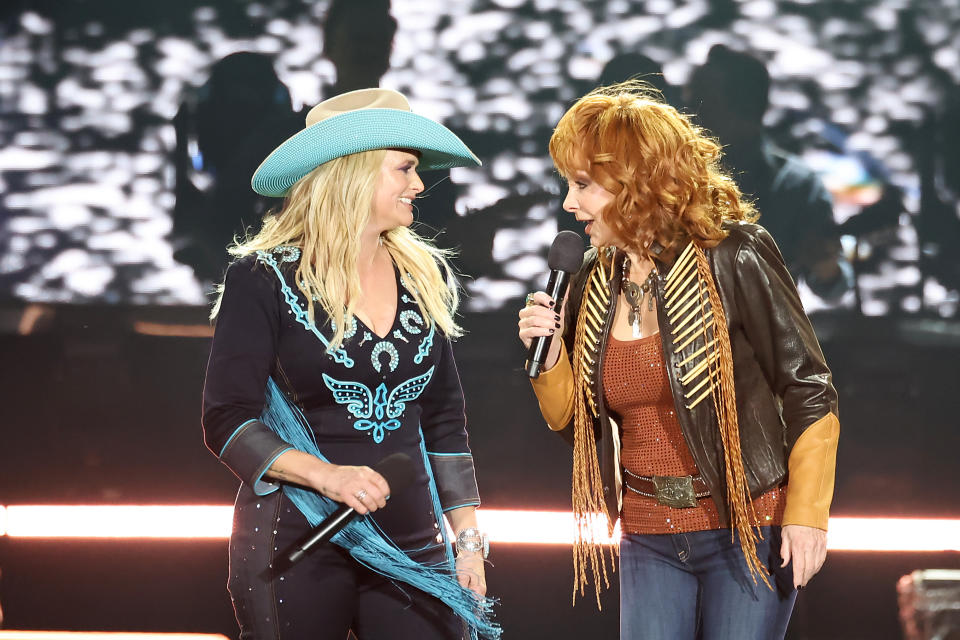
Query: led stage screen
x=128, y=130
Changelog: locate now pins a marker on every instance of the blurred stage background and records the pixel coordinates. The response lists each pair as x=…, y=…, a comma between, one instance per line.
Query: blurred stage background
x=129, y=130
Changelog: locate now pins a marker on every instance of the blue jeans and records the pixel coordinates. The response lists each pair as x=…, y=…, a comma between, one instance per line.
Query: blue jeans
x=688, y=586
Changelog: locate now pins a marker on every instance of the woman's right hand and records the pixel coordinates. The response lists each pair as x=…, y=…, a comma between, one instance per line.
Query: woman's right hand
x=360, y=488
x=540, y=318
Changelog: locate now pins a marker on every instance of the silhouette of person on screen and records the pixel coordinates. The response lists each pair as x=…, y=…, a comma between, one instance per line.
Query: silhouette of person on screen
x=223, y=132
x=730, y=94
x=243, y=111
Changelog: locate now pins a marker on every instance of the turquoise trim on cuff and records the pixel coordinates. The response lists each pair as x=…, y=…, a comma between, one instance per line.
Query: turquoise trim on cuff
x=468, y=455
x=262, y=487
x=234, y=435
x=472, y=503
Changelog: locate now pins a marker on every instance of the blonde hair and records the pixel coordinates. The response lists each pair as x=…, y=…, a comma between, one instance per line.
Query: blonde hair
x=325, y=214
x=663, y=170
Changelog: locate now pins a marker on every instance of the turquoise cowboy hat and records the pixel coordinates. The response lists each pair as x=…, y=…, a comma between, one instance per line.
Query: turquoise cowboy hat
x=353, y=122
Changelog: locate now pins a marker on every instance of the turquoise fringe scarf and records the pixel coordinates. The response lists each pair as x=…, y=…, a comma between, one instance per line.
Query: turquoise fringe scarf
x=363, y=539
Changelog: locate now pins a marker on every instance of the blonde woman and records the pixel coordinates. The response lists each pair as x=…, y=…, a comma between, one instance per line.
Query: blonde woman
x=688, y=379
x=332, y=351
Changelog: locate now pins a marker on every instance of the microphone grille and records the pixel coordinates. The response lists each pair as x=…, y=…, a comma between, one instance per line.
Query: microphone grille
x=566, y=252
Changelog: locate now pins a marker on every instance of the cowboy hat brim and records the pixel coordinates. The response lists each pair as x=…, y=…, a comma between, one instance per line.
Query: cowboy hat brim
x=355, y=132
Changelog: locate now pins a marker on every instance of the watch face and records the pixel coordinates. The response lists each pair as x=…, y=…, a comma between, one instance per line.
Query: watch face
x=473, y=541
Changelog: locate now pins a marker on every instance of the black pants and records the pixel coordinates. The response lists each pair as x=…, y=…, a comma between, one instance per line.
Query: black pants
x=327, y=593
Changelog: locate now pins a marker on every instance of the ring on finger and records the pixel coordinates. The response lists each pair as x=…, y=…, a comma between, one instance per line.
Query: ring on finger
x=530, y=301
x=360, y=495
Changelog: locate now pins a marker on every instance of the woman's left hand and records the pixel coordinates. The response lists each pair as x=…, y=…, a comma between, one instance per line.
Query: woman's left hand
x=807, y=547
x=470, y=572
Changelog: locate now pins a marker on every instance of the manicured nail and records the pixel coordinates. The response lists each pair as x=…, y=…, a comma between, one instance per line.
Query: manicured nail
x=558, y=325
x=556, y=317
x=551, y=331
x=552, y=303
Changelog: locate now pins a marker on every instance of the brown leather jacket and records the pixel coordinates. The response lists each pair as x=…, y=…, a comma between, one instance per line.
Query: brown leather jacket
x=783, y=385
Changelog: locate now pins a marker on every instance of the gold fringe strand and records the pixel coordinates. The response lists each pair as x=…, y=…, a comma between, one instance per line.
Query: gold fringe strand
x=587, y=498
x=742, y=514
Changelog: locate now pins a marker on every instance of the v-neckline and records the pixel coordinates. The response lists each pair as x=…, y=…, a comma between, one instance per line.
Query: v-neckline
x=396, y=311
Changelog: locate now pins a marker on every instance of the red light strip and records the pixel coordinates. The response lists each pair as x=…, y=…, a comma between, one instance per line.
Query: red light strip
x=104, y=635
x=213, y=522
x=116, y=521
x=177, y=330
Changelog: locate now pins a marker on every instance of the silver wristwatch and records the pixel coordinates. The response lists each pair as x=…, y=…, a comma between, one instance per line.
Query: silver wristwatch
x=473, y=541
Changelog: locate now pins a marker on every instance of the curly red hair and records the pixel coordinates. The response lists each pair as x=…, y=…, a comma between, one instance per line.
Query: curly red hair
x=663, y=170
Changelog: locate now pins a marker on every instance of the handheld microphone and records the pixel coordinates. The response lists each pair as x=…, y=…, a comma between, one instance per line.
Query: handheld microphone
x=396, y=469
x=564, y=258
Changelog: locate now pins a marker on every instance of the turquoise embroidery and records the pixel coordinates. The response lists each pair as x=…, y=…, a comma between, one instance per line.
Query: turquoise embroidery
x=302, y=317
x=349, y=332
x=407, y=320
x=406, y=298
x=399, y=335
x=364, y=404
x=425, y=346
x=381, y=347
x=366, y=336
x=287, y=253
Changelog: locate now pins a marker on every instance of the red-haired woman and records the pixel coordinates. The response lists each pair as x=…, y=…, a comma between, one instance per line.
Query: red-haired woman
x=688, y=380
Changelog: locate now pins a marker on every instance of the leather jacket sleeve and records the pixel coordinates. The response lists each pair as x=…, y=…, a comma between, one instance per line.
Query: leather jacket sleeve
x=789, y=355
x=555, y=388
x=812, y=468
x=781, y=335
x=555, y=392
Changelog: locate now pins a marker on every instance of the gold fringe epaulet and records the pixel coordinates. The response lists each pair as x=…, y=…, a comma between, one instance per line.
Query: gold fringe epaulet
x=696, y=317
x=590, y=321
x=690, y=316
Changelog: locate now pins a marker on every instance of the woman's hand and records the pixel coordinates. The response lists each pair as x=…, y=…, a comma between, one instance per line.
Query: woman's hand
x=360, y=488
x=807, y=547
x=540, y=318
x=470, y=572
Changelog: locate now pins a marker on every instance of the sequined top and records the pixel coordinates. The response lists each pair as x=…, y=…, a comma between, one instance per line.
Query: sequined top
x=637, y=389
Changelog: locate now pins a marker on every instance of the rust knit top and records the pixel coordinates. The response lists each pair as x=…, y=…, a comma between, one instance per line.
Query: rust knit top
x=637, y=389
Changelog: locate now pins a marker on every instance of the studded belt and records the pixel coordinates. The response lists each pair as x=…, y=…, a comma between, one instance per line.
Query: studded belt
x=679, y=492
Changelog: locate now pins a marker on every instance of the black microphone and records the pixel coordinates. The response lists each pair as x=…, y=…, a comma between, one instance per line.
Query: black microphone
x=564, y=258
x=396, y=469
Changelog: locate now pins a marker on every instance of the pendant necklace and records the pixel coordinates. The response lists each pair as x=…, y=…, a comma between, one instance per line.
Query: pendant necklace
x=634, y=294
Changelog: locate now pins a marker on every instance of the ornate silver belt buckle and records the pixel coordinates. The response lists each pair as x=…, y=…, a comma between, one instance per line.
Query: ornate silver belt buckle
x=675, y=491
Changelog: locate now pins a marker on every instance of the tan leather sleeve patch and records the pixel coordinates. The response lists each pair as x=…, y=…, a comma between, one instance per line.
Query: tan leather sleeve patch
x=554, y=389
x=812, y=467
